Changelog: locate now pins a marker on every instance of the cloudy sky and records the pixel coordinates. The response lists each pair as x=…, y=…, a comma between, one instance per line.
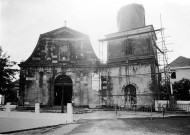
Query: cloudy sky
x=22, y=21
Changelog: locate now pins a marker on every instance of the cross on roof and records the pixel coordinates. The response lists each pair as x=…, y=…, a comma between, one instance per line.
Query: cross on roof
x=65, y=23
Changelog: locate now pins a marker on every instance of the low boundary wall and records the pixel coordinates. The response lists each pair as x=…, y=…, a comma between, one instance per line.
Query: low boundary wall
x=14, y=121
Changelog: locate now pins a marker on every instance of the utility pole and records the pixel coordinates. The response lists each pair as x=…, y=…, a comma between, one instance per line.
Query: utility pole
x=171, y=87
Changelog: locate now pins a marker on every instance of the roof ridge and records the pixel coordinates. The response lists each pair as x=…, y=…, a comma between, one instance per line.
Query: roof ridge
x=62, y=28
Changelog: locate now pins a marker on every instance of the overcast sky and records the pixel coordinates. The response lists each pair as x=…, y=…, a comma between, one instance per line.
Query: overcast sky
x=22, y=21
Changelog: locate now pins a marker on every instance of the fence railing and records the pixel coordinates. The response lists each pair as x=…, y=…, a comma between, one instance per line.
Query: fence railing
x=145, y=110
x=139, y=108
x=175, y=109
x=185, y=107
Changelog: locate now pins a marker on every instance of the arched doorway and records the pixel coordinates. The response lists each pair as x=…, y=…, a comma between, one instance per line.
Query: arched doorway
x=63, y=88
x=130, y=94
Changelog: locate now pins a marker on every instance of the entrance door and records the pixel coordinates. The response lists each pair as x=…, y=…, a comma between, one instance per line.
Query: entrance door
x=130, y=94
x=57, y=95
x=63, y=90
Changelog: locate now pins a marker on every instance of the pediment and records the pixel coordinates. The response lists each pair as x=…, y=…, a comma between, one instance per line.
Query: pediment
x=62, y=46
x=63, y=32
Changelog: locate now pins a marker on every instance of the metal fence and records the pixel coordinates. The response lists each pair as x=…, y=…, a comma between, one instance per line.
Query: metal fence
x=135, y=110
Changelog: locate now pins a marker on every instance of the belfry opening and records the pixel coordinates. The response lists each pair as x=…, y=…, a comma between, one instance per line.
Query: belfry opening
x=63, y=90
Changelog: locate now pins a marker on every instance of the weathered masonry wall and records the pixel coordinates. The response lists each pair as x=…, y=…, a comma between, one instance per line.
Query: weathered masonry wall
x=40, y=86
x=136, y=46
x=55, y=51
x=37, y=85
x=137, y=75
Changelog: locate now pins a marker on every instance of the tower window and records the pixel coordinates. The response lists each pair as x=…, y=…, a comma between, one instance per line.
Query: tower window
x=128, y=43
x=129, y=50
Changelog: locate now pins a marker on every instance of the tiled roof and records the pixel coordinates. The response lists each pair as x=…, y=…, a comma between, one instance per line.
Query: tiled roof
x=180, y=62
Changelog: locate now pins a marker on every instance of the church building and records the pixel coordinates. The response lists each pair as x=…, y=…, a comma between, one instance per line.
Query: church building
x=64, y=68
x=62, y=64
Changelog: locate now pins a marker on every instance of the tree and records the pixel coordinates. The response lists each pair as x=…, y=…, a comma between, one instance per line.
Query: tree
x=181, y=89
x=7, y=73
x=164, y=91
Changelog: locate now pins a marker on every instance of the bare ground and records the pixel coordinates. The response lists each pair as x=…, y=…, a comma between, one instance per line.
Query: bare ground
x=134, y=126
x=124, y=126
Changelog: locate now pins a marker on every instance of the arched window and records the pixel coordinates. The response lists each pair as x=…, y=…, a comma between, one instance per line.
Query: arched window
x=130, y=94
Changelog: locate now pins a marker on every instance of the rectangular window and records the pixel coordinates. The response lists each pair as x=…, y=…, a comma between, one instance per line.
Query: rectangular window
x=173, y=75
x=128, y=44
x=129, y=50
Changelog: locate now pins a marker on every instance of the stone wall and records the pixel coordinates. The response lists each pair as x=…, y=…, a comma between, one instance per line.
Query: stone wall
x=40, y=89
x=117, y=49
x=137, y=75
x=37, y=86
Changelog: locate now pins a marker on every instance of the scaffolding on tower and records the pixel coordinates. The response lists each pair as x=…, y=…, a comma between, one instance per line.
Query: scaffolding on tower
x=163, y=63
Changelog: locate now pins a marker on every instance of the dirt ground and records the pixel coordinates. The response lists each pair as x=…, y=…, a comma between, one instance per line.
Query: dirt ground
x=140, y=126
x=124, y=126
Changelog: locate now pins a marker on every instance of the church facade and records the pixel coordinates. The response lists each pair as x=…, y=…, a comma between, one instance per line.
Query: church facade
x=61, y=65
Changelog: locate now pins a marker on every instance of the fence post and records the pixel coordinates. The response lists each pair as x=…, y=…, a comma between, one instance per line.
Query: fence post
x=116, y=110
x=69, y=112
x=136, y=109
x=163, y=111
x=8, y=107
x=37, y=108
x=3, y=100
